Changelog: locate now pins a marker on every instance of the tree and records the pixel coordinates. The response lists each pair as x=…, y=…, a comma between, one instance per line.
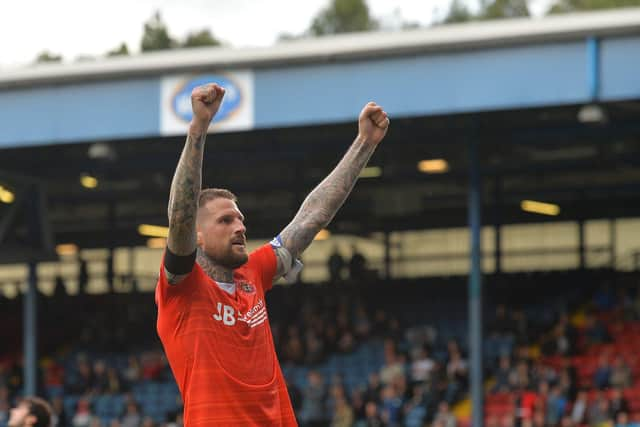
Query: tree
x=458, y=12
x=505, y=9
x=156, y=36
x=47, y=56
x=120, y=50
x=343, y=16
x=201, y=38
x=564, y=6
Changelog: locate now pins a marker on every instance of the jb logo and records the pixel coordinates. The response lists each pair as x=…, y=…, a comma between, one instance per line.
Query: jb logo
x=226, y=314
x=254, y=317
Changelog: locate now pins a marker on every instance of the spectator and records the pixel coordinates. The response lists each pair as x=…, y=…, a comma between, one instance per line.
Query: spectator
x=357, y=265
x=374, y=388
x=567, y=421
x=457, y=375
x=501, y=324
x=343, y=414
x=295, y=395
x=598, y=412
x=4, y=411
x=622, y=420
x=336, y=265
x=113, y=381
x=556, y=405
x=579, y=410
x=604, y=298
x=391, y=406
x=314, y=401
x=504, y=375
x=422, y=365
x=520, y=326
x=132, y=373
x=444, y=415
x=415, y=410
x=538, y=419
x=361, y=323
x=60, y=417
x=358, y=405
x=315, y=351
x=520, y=380
x=617, y=403
x=603, y=373
x=393, y=366
x=620, y=375
x=294, y=349
x=83, y=415
x=131, y=417
x=83, y=277
x=372, y=417
x=100, y=381
x=54, y=378
x=595, y=331
x=82, y=380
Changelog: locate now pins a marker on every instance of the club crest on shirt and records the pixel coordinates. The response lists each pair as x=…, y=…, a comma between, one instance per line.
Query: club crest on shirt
x=247, y=287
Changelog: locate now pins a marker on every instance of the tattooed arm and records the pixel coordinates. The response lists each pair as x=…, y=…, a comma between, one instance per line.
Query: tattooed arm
x=321, y=205
x=186, y=184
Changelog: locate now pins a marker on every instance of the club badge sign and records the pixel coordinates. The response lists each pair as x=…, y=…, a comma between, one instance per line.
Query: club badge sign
x=236, y=112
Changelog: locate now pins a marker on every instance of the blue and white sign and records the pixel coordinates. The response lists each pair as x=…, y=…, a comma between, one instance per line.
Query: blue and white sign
x=236, y=112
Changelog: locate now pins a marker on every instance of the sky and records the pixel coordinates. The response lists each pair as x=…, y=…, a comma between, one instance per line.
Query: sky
x=74, y=28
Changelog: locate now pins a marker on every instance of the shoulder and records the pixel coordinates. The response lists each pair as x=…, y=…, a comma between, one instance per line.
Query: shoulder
x=165, y=290
x=261, y=266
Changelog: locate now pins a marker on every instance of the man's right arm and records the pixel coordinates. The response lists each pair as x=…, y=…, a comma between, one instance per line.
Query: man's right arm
x=180, y=253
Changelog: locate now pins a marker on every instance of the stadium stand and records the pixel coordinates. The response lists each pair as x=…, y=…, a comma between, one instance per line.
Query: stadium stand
x=381, y=353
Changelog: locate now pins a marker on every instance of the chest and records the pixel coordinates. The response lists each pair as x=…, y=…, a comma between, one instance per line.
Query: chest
x=245, y=308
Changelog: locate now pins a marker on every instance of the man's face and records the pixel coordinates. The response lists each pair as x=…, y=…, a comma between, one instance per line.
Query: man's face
x=20, y=417
x=221, y=233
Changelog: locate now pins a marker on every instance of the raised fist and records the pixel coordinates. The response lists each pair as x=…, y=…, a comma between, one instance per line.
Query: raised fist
x=373, y=123
x=205, y=102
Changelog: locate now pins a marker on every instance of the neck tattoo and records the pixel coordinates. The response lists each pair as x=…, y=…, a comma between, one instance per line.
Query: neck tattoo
x=213, y=270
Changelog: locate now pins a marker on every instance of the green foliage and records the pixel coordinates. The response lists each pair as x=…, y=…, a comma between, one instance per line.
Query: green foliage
x=343, y=16
x=47, y=56
x=505, y=9
x=156, y=35
x=121, y=50
x=458, y=12
x=201, y=38
x=564, y=6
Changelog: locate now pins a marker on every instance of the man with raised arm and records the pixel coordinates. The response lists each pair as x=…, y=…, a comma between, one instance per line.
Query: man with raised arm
x=212, y=318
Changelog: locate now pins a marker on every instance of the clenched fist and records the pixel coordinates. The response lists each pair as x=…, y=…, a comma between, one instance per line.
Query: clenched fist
x=372, y=123
x=205, y=102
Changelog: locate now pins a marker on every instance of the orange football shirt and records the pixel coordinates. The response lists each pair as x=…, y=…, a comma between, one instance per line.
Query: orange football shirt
x=220, y=348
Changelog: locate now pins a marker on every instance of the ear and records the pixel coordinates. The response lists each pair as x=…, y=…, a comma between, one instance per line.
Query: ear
x=200, y=238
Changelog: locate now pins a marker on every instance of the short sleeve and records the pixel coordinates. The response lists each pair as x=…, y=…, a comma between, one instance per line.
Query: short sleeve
x=165, y=290
x=264, y=262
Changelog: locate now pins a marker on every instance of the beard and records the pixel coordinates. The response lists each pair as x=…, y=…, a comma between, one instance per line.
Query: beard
x=230, y=258
x=234, y=260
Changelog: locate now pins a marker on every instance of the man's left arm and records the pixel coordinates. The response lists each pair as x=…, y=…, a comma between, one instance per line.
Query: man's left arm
x=321, y=205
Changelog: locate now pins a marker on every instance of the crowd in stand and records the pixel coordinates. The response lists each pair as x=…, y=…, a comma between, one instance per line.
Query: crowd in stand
x=423, y=377
x=546, y=389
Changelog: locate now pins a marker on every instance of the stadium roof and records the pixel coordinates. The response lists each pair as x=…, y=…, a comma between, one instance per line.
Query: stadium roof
x=538, y=151
x=336, y=48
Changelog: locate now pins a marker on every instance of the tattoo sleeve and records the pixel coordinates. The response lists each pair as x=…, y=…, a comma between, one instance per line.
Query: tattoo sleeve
x=183, y=200
x=321, y=205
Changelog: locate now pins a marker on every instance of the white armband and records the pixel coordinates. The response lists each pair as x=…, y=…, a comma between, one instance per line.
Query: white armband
x=291, y=267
